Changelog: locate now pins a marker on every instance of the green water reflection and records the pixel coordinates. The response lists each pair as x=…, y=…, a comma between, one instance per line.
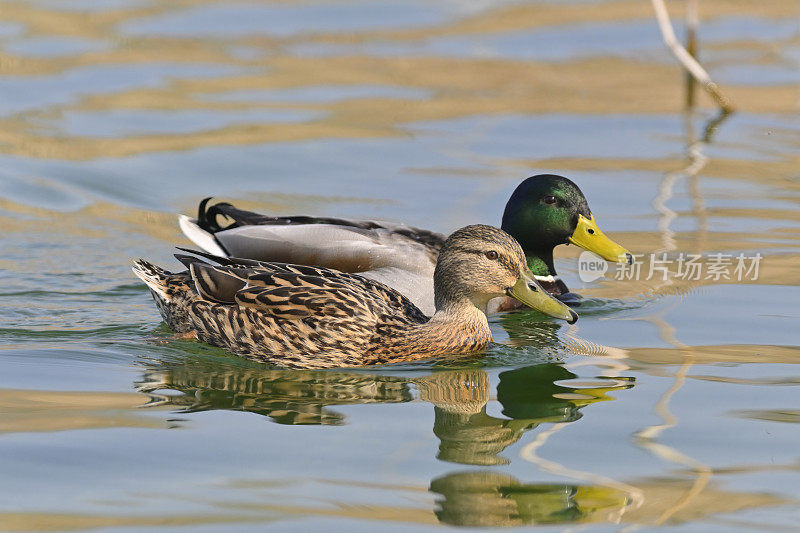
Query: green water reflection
x=489, y=499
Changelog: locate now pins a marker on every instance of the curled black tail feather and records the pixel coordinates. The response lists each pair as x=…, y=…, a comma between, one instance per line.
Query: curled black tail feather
x=207, y=216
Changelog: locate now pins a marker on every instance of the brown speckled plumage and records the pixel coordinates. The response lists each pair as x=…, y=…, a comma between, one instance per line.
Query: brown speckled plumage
x=309, y=317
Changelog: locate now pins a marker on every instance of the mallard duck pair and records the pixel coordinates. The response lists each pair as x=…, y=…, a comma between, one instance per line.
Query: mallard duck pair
x=322, y=292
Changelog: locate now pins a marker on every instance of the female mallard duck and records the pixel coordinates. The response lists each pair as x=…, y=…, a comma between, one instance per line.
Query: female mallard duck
x=543, y=212
x=310, y=317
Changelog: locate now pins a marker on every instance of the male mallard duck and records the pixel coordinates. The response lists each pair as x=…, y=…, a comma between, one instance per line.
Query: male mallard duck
x=543, y=212
x=310, y=317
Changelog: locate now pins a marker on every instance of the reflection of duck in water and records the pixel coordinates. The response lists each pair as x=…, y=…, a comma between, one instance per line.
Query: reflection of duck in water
x=469, y=435
x=529, y=396
x=286, y=396
x=483, y=499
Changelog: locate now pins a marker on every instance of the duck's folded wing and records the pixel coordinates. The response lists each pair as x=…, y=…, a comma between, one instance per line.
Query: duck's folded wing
x=295, y=291
x=344, y=248
x=292, y=303
x=344, y=244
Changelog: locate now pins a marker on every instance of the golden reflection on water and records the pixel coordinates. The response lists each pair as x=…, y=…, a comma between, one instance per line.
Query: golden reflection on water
x=48, y=411
x=86, y=521
x=456, y=87
x=472, y=499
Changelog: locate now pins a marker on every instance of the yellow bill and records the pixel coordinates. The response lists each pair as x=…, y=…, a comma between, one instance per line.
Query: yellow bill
x=589, y=237
x=528, y=291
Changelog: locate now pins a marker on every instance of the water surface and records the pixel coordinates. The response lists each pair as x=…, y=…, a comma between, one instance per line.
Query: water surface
x=670, y=403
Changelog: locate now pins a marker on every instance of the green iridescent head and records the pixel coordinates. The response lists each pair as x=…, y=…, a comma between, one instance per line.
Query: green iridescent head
x=547, y=210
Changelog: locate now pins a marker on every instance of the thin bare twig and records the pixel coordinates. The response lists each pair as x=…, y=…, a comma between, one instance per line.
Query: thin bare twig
x=686, y=59
x=692, y=21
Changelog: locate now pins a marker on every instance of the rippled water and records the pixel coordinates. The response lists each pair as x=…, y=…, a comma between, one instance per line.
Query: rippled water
x=669, y=403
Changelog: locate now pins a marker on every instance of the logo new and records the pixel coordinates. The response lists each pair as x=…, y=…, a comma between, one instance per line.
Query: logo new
x=591, y=267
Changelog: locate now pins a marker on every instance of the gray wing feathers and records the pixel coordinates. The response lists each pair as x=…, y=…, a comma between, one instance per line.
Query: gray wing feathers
x=340, y=247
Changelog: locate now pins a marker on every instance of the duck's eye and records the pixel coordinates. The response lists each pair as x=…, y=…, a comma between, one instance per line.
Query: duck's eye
x=550, y=200
x=491, y=254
